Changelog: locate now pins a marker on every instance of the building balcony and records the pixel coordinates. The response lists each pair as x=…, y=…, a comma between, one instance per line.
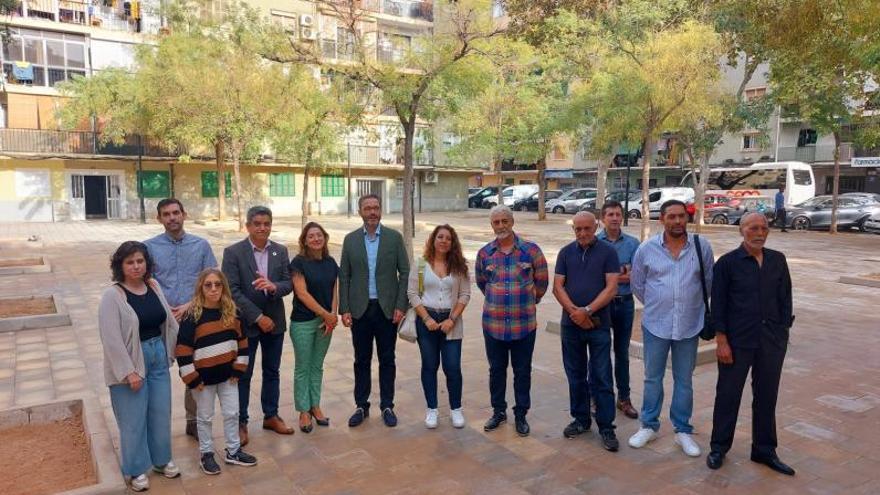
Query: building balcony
x=387, y=155
x=814, y=154
x=51, y=142
x=83, y=12
x=409, y=9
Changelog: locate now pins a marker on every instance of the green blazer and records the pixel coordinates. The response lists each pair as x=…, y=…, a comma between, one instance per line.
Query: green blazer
x=392, y=270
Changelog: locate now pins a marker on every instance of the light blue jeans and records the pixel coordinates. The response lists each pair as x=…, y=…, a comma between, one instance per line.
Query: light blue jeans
x=227, y=392
x=144, y=417
x=684, y=358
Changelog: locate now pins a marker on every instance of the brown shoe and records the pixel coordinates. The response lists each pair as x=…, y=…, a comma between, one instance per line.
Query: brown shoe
x=242, y=434
x=628, y=410
x=277, y=425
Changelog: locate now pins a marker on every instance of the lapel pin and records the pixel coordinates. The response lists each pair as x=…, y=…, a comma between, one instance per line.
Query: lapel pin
x=274, y=253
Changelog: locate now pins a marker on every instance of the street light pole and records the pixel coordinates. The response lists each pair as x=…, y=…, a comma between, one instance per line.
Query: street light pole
x=348, y=182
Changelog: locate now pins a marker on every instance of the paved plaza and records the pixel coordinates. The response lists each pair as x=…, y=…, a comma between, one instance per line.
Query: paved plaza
x=828, y=413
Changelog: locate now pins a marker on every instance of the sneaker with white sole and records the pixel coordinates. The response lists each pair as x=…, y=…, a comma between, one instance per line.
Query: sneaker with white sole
x=457, y=418
x=209, y=464
x=431, y=419
x=169, y=470
x=140, y=483
x=642, y=437
x=688, y=445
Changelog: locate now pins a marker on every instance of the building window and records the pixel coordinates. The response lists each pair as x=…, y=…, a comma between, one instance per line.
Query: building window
x=651, y=183
x=42, y=58
x=751, y=94
x=156, y=183
x=508, y=182
x=281, y=185
x=332, y=186
x=398, y=187
x=672, y=180
x=210, y=187
x=807, y=137
x=750, y=142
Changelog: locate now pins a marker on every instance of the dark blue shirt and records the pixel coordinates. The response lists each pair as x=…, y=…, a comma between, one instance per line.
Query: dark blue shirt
x=748, y=299
x=584, y=271
x=780, y=200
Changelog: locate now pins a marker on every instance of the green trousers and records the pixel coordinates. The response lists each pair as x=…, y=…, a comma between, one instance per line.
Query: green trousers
x=309, y=348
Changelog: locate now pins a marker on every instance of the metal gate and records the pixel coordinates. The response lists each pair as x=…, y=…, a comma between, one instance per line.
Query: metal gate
x=113, y=196
x=365, y=187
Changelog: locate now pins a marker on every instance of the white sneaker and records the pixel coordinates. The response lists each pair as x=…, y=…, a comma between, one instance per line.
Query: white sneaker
x=457, y=418
x=431, y=419
x=642, y=437
x=140, y=483
x=688, y=445
x=169, y=470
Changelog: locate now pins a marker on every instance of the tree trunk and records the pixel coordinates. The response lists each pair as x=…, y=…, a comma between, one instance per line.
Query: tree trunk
x=409, y=131
x=221, y=180
x=236, y=172
x=542, y=169
x=647, y=152
x=602, y=183
x=836, y=189
x=305, y=191
x=701, y=191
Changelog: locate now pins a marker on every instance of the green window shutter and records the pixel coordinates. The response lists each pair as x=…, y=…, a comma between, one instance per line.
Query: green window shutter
x=210, y=187
x=281, y=185
x=332, y=186
x=228, y=184
x=156, y=183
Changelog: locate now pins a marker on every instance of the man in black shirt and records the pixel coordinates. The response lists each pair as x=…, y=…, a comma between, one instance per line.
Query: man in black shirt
x=752, y=315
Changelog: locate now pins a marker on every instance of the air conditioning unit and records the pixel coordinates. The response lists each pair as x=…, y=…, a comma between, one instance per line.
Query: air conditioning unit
x=308, y=33
x=306, y=20
x=430, y=177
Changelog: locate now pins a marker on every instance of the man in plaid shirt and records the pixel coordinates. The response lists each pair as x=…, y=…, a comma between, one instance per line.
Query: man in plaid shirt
x=512, y=274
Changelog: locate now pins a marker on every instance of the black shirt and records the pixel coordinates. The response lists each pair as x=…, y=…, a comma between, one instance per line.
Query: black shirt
x=320, y=278
x=748, y=299
x=149, y=310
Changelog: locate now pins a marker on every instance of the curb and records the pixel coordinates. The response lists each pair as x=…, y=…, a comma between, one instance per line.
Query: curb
x=61, y=318
x=864, y=282
x=43, y=267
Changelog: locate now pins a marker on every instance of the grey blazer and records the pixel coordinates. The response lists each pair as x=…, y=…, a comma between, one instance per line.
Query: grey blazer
x=240, y=269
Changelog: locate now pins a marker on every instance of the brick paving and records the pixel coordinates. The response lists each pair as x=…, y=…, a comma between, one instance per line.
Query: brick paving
x=828, y=414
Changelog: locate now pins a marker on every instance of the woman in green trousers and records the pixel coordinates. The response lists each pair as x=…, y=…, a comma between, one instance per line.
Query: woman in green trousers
x=312, y=321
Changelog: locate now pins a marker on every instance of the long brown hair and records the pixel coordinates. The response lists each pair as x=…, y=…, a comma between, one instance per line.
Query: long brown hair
x=304, y=250
x=227, y=305
x=455, y=259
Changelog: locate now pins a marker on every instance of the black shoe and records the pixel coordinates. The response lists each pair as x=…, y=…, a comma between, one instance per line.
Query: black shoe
x=495, y=421
x=321, y=421
x=192, y=429
x=360, y=414
x=522, y=426
x=714, y=460
x=574, y=429
x=240, y=458
x=609, y=440
x=208, y=464
x=773, y=462
x=389, y=417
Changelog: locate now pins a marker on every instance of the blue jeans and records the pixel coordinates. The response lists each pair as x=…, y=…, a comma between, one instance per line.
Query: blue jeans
x=144, y=417
x=622, y=311
x=436, y=348
x=519, y=354
x=272, y=345
x=584, y=350
x=684, y=358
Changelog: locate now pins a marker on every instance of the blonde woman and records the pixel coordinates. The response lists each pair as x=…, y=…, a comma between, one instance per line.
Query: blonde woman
x=212, y=353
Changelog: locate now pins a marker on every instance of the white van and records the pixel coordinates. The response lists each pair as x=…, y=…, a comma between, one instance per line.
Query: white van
x=658, y=196
x=511, y=194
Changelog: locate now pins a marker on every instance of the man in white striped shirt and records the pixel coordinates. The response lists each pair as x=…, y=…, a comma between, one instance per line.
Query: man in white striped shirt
x=666, y=279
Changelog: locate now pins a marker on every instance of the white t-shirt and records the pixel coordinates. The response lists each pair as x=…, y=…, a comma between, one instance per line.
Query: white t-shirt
x=438, y=291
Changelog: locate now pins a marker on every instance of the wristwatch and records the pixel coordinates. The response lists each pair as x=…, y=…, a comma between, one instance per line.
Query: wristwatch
x=588, y=309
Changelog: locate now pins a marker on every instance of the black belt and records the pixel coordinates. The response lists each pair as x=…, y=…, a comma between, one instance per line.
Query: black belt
x=438, y=310
x=625, y=297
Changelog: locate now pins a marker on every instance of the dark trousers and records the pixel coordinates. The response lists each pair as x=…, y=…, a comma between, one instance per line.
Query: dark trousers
x=766, y=365
x=373, y=325
x=271, y=345
x=780, y=218
x=435, y=348
x=622, y=310
x=589, y=351
x=519, y=354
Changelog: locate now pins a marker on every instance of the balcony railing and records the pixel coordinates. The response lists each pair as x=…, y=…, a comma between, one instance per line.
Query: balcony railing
x=74, y=142
x=812, y=154
x=81, y=12
x=410, y=9
x=388, y=155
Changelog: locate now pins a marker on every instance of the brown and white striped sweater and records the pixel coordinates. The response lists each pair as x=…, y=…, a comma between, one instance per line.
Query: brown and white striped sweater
x=210, y=352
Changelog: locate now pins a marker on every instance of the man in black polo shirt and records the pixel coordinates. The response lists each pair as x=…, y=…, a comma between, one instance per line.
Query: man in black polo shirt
x=752, y=315
x=585, y=282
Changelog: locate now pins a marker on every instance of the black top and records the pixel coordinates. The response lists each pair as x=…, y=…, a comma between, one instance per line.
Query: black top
x=149, y=310
x=748, y=299
x=584, y=270
x=320, y=278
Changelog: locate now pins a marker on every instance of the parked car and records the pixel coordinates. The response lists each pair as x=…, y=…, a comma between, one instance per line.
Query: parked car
x=473, y=190
x=872, y=224
x=815, y=213
x=571, y=201
x=713, y=200
x=619, y=196
x=531, y=203
x=658, y=196
x=731, y=214
x=475, y=200
x=863, y=196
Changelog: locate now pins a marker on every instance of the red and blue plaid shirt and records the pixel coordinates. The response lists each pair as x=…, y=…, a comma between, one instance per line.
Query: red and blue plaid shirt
x=513, y=284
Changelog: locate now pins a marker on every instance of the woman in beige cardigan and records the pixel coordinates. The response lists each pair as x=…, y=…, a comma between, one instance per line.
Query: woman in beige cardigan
x=438, y=290
x=138, y=333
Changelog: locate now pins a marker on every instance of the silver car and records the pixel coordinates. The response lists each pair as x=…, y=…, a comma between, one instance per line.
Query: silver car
x=571, y=201
x=815, y=213
x=872, y=224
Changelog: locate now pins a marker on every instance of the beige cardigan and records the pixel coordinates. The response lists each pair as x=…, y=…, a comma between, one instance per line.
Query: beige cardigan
x=118, y=328
x=461, y=290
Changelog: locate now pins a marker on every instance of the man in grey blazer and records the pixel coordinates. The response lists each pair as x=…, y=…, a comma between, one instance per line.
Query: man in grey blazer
x=259, y=278
x=373, y=275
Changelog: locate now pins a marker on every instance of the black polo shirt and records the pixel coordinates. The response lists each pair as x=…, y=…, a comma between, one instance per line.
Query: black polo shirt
x=584, y=271
x=748, y=299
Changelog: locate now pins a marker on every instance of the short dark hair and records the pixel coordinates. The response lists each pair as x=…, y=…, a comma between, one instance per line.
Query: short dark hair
x=368, y=196
x=169, y=201
x=125, y=250
x=611, y=204
x=670, y=203
x=258, y=210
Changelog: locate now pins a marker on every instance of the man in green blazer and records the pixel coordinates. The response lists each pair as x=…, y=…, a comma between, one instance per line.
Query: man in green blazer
x=373, y=275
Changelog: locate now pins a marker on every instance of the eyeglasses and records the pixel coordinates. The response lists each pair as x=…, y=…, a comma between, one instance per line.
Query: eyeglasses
x=214, y=285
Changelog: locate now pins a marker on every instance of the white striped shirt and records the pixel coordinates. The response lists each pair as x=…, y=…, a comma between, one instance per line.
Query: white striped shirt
x=670, y=288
